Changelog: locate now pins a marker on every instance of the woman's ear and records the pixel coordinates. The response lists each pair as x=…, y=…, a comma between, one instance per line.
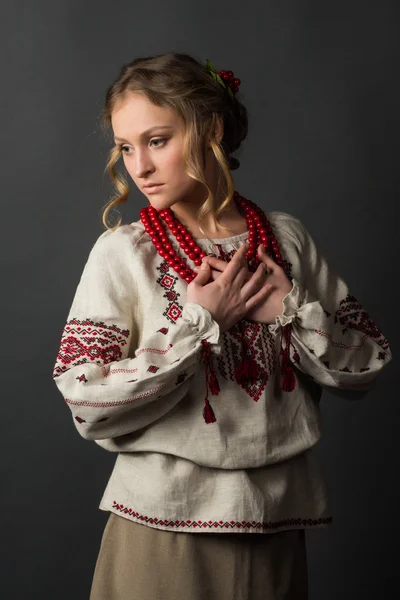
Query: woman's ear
x=219, y=129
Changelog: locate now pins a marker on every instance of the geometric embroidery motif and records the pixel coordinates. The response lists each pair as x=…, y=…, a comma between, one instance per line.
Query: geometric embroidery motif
x=352, y=315
x=220, y=525
x=89, y=341
x=260, y=346
x=168, y=281
x=260, y=343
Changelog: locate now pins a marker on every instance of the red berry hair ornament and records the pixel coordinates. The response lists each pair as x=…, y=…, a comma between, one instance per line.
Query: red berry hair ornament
x=225, y=78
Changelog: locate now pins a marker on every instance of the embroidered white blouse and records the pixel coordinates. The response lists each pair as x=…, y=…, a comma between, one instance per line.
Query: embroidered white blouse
x=130, y=367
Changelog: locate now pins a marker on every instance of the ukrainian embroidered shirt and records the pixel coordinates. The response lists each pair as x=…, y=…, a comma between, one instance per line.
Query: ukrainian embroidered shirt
x=130, y=368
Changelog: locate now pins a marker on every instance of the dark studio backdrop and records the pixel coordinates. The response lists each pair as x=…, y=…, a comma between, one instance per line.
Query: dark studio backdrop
x=321, y=84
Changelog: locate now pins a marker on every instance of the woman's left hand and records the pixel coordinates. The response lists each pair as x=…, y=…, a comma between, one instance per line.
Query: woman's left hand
x=272, y=306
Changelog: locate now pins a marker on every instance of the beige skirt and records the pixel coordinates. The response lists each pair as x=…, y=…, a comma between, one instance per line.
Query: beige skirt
x=137, y=562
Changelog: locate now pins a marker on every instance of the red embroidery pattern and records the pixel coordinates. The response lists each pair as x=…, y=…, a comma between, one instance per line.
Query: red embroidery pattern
x=89, y=341
x=260, y=346
x=118, y=402
x=153, y=369
x=168, y=281
x=265, y=525
x=352, y=316
x=181, y=378
x=106, y=373
x=85, y=421
x=155, y=350
x=340, y=344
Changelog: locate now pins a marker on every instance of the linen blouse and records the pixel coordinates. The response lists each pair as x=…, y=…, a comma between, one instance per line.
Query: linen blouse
x=130, y=367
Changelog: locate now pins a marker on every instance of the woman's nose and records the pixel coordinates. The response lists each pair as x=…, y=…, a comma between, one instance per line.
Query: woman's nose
x=143, y=164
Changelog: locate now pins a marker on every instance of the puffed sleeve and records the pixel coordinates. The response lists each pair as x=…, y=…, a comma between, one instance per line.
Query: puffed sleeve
x=330, y=336
x=110, y=390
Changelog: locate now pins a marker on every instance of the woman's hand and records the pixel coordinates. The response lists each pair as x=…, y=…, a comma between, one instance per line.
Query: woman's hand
x=273, y=276
x=232, y=294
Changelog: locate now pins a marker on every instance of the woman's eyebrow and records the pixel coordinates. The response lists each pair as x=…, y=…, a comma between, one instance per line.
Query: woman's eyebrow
x=147, y=132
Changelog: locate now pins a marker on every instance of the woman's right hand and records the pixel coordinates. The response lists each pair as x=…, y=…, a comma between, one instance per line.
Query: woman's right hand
x=232, y=294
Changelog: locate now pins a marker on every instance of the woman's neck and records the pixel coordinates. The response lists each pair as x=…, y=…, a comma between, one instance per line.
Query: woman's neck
x=231, y=219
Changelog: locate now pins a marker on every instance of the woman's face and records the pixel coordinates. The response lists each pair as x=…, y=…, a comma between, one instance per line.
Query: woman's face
x=151, y=139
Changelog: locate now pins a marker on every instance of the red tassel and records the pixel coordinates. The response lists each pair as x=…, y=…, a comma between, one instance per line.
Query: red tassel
x=246, y=371
x=208, y=413
x=213, y=383
x=288, y=378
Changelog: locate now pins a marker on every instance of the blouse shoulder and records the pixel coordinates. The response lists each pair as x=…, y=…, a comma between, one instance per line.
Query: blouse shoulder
x=288, y=227
x=114, y=244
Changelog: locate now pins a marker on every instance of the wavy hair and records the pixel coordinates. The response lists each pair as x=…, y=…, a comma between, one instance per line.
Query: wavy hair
x=180, y=82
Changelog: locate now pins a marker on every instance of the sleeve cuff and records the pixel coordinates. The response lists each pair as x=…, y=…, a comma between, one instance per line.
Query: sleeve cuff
x=201, y=320
x=292, y=302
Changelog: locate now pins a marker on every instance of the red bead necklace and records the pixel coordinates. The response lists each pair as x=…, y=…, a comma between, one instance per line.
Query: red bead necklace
x=260, y=232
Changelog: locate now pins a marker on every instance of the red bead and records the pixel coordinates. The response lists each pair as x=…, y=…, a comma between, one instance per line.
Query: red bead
x=182, y=273
x=158, y=245
x=154, y=239
x=182, y=244
x=192, y=255
x=177, y=268
x=171, y=262
x=192, y=243
x=188, y=237
x=174, y=230
x=177, y=259
x=202, y=254
x=189, y=279
x=197, y=249
x=237, y=81
x=163, y=238
x=186, y=249
x=172, y=252
x=197, y=262
x=179, y=238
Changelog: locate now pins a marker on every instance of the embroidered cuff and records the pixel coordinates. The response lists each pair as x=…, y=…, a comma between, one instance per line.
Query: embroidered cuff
x=200, y=318
x=292, y=302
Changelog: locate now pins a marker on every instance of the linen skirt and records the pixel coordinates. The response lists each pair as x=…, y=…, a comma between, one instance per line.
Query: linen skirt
x=137, y=562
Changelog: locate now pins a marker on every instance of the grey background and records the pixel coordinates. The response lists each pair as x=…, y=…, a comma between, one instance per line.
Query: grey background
x=320, y=81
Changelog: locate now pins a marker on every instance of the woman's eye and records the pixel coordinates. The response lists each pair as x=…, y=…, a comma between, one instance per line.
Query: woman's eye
x=125, y=149
x=159, y=140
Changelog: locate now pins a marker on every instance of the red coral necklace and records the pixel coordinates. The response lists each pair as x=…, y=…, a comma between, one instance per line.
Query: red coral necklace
x=260, y=232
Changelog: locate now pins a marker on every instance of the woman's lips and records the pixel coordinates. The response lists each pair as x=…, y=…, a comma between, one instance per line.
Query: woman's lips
x=152, y=189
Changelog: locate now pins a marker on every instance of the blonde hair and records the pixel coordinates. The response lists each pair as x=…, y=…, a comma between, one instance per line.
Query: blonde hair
x=180, y=82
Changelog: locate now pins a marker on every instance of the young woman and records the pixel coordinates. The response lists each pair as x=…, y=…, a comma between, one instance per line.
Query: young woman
x=200, y=359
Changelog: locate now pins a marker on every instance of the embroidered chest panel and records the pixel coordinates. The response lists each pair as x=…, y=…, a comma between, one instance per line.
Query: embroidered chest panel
x=260, y=343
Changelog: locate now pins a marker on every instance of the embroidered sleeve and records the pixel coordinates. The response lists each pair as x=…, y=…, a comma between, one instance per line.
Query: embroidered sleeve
x=333, y=339
x=109, y=391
